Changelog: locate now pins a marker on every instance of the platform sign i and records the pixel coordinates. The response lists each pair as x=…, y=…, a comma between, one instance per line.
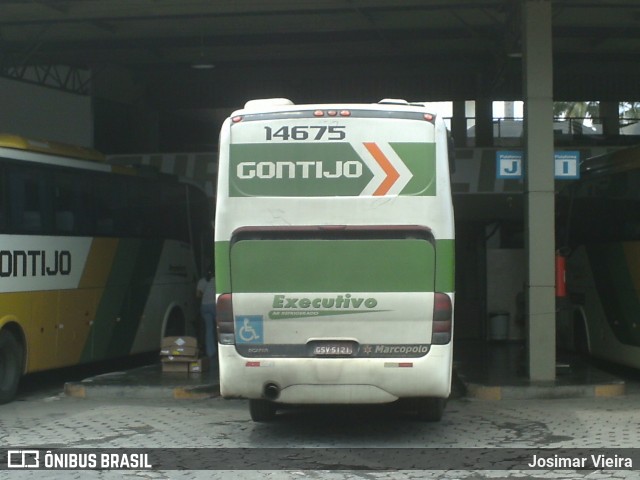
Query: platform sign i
x=567, y=165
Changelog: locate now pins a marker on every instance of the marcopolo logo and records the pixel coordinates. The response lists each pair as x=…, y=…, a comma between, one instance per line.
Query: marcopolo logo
x=295, y=307
x=389, y=351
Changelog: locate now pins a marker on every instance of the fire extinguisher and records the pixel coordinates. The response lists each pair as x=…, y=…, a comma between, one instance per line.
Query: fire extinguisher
x=561, y=275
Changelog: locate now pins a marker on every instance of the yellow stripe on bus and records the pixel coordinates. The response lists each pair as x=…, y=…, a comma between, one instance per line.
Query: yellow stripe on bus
x=99, y=263
x=49, y=147
x=57, y=323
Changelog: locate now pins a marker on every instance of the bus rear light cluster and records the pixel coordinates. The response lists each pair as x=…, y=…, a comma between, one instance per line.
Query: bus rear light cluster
x=442, y=319
x=224, y=320
x=332, y=113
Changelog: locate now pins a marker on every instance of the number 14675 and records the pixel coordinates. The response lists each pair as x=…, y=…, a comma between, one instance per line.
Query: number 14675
x=311, y=132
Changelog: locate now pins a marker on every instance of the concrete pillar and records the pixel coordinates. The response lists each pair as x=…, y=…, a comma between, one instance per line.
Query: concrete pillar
x=459, y=123
x=484, y=123
x=610, y=115
x=539, y=189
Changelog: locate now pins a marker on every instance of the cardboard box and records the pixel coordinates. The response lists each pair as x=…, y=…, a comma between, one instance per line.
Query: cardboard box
x=199, y=366
x=175, y=346
x=177, y=363
x=175, y=367
x=179, y=341
x=180, y=351
x=183, y=364
x=179, y=359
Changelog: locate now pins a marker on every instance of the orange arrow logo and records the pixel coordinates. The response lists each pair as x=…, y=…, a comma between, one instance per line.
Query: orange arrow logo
x=389, y=170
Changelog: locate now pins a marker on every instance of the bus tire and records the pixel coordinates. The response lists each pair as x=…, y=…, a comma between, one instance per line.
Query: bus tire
x=430, y=409
x=262, y=410
x=11, y=356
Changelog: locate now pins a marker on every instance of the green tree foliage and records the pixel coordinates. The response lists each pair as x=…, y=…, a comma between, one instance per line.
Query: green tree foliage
x=630, y=110
x=578, y=110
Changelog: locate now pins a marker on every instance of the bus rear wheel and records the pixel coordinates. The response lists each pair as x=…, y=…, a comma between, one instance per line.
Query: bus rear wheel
x=10, y=366
x=262, y=410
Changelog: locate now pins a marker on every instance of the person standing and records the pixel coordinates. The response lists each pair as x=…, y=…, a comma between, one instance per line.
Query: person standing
x=206, y=291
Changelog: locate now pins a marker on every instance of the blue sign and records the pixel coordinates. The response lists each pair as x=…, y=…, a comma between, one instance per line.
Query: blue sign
x=509, y=164
x=567, y=165
x=249, y=329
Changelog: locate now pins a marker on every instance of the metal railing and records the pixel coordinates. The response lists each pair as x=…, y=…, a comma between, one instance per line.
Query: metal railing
x=509, y=130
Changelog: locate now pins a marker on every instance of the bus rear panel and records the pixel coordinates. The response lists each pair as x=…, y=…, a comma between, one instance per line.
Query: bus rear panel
x=334, y=255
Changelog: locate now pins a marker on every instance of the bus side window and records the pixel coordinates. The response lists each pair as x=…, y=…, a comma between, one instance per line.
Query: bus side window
x=30, y=212
x=66, y=203
x=108, y=206
x=173, y=220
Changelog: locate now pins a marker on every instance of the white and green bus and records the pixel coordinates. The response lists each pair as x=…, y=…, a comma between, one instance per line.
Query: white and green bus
x=96, y=261
x=600, y=236
x=334, y=248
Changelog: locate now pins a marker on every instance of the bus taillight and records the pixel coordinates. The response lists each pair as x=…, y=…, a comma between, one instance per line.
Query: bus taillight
x=442, y=319
x=224, y=320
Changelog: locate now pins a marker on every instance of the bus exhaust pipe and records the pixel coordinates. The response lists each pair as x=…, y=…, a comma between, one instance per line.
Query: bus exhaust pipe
x=271, y=391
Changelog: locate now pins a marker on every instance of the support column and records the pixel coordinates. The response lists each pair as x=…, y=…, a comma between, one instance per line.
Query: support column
x=459, y=123
x=610, y=115
x=539, y=189
x=484, y=123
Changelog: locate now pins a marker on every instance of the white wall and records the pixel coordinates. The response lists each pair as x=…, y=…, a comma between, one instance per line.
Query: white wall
x=45, y=113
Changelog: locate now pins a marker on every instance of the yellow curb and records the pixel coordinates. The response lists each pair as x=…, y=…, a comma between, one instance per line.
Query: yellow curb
x=614, y=390
x=74, y=390
x=485, y=393
x=186, y=393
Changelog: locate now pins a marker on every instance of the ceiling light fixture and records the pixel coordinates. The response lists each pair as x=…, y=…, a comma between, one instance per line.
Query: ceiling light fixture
x=202, y=66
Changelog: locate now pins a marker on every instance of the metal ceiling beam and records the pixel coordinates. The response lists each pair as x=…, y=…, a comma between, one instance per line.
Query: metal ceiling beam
x=315, y=9
x=61, y=77
x=198, y=41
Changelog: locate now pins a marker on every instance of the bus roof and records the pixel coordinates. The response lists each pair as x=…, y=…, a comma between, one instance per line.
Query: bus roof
x=269, y=105
x=52, y=148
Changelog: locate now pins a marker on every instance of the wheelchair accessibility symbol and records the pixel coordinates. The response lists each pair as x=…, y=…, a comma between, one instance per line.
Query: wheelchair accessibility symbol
x=249, y=329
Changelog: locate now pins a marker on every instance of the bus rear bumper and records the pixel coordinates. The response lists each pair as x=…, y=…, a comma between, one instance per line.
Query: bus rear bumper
x=335, y=380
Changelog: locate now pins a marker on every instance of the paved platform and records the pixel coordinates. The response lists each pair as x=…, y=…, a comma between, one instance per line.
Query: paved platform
x=497, y=370
x=488, y=371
